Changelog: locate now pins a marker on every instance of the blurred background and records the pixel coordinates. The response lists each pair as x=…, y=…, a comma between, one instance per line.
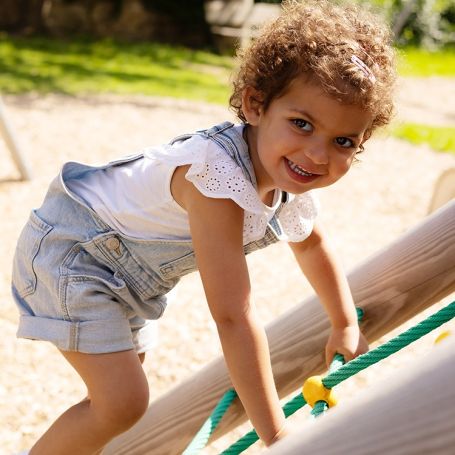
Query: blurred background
x=414, y=22
x=92, y=80
x=184, y=48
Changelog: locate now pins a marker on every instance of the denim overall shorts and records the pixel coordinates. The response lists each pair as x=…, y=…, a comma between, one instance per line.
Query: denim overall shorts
x=86, y=287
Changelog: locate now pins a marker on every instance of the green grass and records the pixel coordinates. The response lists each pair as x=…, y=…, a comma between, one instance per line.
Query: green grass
x=423, y=63
x=439, y=138
x=414, y=62
x=87, y=66
x=104, y=66
x=96, y=66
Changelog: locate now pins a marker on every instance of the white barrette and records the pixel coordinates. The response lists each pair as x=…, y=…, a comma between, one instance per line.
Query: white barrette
x=364, y=68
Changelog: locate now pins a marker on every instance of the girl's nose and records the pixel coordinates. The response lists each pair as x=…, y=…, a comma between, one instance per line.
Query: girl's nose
x=318, y=152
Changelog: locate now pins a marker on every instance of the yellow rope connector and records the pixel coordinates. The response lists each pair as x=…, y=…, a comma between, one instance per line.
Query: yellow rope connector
x=313, y=390
x=442, y=336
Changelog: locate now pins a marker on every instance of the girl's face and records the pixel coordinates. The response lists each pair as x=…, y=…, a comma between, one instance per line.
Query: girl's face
x=304, y=140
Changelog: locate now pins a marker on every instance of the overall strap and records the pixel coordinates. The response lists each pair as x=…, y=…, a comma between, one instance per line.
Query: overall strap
x=232, y=142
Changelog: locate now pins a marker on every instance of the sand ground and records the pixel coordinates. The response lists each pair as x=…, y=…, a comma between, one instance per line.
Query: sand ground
x=382, y=197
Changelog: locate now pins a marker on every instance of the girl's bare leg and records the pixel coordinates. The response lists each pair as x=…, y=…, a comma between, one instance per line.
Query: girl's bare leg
x=141, y=359
x=118, y=392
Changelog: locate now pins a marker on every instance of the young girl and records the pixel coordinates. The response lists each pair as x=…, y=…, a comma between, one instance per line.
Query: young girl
x=95, y=261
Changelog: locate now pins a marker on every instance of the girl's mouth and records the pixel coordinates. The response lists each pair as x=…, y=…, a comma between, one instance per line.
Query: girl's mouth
x=297, y=172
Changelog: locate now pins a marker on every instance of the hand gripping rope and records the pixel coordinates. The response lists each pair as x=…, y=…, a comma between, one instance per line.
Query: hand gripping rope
x=317, y=391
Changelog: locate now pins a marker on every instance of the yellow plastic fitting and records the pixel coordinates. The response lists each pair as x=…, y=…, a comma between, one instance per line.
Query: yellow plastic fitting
x=313, y=390
x=442, y=336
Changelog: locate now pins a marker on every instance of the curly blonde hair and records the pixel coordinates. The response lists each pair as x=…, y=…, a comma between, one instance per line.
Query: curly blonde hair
x=318, y=39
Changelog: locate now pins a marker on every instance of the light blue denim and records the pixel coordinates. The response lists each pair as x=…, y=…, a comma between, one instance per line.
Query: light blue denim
x=86, y=287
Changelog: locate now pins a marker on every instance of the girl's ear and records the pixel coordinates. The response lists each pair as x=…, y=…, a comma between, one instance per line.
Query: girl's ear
x=366, y=136
x=252, y=105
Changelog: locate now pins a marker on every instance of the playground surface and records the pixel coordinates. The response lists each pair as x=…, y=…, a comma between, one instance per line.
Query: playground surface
x=384, y=195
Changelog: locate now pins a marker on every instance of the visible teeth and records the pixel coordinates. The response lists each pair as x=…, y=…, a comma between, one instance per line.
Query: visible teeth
x=298, y=169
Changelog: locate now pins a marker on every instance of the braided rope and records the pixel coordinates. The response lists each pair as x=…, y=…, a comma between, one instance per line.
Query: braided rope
x=202, y=436
x=394, y=345
x=338, y=372
x=320, y=407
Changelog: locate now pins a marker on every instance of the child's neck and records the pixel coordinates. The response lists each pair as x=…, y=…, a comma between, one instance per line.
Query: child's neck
x=265, y=186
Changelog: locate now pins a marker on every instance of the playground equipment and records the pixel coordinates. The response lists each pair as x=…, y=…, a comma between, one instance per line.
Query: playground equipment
x=397, y=283
x=318, y=391
x=444, y=190
x=411, y=414
x=11, y=142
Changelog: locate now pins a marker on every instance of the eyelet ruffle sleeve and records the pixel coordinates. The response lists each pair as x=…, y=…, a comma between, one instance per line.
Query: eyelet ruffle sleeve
x=297, y=216
x=215, y=174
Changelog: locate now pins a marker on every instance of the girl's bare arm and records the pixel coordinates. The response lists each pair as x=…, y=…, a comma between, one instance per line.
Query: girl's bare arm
x=319, y=264
x=217, y=233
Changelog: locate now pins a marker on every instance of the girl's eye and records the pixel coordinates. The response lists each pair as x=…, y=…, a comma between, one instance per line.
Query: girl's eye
x=303, y=124
x=344, y=142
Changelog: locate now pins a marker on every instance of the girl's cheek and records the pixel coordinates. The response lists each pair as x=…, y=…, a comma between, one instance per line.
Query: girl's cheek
x=344, y=164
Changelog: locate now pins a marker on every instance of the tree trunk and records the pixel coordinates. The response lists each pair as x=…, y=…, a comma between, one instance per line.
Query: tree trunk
x=21, y=16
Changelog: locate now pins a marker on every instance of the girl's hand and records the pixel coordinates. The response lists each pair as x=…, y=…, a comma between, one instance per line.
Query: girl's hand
x=347, y=341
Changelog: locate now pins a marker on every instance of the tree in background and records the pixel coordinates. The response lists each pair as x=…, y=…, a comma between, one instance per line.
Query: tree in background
x=189, y=16
x=428, y=23
x=21, y=16
x=176, y=21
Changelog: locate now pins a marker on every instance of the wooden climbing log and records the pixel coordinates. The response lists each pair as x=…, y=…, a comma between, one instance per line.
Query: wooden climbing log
x=444, y=190
x=410, y=413
x=392, y=286
x=12, y=143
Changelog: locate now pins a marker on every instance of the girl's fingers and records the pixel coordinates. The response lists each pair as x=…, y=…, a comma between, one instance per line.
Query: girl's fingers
x=329, y=354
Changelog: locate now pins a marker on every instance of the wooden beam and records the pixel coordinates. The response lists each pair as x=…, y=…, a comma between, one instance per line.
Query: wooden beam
x=410, y=413
x=392, y=286
x=444, y=190
x=12, y=143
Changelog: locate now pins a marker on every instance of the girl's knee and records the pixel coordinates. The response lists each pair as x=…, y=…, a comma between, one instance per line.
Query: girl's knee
x=117, y=388
x=123, y=409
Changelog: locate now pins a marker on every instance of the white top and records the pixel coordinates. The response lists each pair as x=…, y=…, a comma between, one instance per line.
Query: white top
x=135, y=198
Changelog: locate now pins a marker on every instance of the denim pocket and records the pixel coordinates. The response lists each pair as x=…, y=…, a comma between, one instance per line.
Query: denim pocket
x=28, y=246
x=179, y=267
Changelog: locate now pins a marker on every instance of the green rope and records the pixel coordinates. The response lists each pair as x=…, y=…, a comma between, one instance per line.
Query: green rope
x=203, y=435
x=394, y=345
x=339, y=374
x=289, y=408
x=320, y=407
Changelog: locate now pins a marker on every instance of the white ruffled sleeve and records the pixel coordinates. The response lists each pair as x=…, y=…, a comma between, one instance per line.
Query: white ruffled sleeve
x=215, y=174
x=219, y=176
x=297, y=216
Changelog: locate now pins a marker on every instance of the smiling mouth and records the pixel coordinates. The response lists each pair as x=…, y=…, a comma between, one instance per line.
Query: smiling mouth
x=299, y=170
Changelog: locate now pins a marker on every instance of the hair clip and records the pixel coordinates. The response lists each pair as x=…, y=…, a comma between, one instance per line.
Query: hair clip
x=364, y=68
